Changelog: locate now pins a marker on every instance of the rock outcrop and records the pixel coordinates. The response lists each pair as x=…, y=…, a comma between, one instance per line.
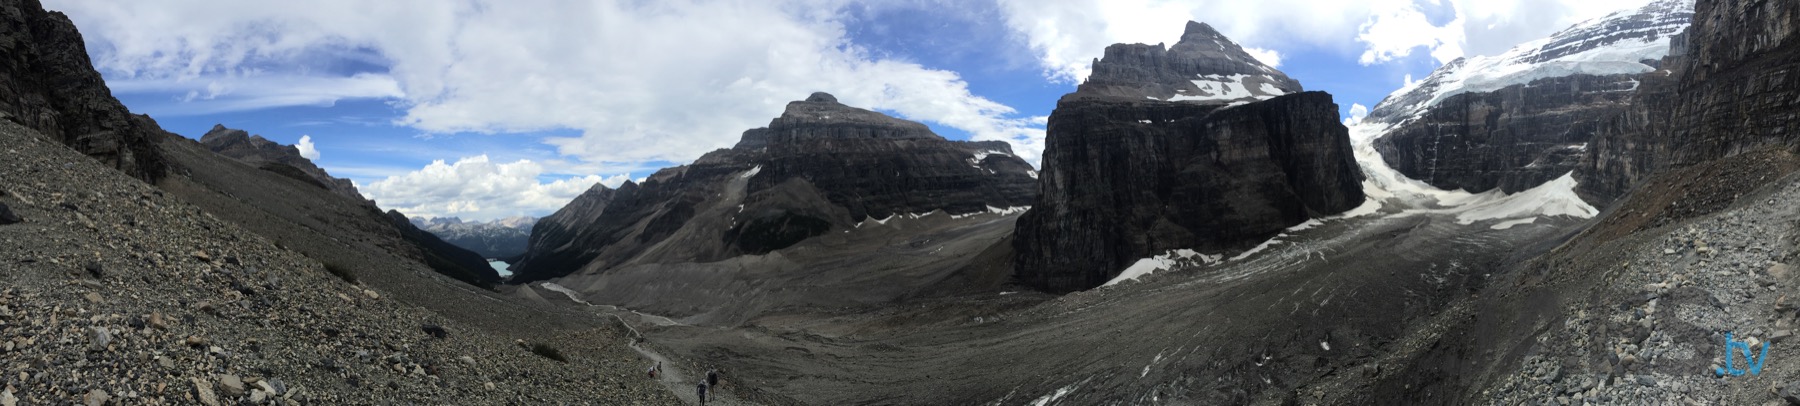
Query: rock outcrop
x=820, y=166
x=273, y=157
x=1729, y=87
x=1129, y=175
x=1522, y=118
x=48, y=83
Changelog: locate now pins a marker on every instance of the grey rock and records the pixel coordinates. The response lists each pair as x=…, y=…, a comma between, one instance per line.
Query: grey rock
x=1726, y=92
x=8, y=217
x=203, y=391
x=49, y=84
x=1140, y=71
x=1646, y=380
x=101, y=338
x=1126, y=178
x=270, y=156
x=232, y=385
x=96, y=397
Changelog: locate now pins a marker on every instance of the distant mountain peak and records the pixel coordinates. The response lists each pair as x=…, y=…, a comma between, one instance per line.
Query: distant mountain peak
x=1618, y=43
x=821, y=97
x=1205, y=67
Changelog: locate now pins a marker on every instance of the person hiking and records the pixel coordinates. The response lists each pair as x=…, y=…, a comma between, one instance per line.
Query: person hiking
x=654, y=369
x=700, y=391
x=712, y=377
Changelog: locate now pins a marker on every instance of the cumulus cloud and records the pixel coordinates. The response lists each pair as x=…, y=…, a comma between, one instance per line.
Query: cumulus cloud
x=1357, y=113
x=1066, y=35
x=306, y=148
x=475, y=188
x=640, y=81
x=1266, y=56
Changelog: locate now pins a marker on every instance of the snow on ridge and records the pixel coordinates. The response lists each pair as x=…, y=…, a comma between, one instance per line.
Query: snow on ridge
x=752, y=172
x=1527, y=62
x=1229, y=88
x=1387, y=186
x=1166, y=261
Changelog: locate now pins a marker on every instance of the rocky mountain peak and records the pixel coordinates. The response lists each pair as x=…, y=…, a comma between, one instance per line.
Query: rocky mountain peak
x=1205, y=67
x=821, y=97
x=274, y=157
x=822, y=116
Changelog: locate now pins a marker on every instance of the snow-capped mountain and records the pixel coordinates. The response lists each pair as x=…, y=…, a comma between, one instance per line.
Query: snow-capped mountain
x=1204, y=67
x=1522, y=118
x=1624, y=42
x=503, y=238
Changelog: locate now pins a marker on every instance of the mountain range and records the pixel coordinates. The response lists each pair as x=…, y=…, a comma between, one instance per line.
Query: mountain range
x=1601, y=216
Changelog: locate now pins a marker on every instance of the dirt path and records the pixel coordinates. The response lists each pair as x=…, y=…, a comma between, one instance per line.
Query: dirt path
x=672, y=376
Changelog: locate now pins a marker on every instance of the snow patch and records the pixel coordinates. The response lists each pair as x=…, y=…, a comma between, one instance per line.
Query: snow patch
x=1166, y=261
x=553, y=287
x=1228, y=88
x=751, y=172
x=1510, y=223
x=993, y=210
x=1033, y=174
x=1058, y=395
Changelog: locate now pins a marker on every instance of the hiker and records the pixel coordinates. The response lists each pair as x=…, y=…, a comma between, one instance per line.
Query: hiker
x=712, y=377
x=700, y=390
x=654, y=369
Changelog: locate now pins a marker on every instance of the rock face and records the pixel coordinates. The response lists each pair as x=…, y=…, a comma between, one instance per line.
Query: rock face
x=821, y=166
x=503, y=238
x=47, y=83
x=1729, y=88
x=1127, y=176
x=1522, y=118
x=270, y=156
x=1204, y=65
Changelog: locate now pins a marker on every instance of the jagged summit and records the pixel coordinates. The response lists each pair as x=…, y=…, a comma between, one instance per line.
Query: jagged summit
x=1204, y=67
x=274, y=157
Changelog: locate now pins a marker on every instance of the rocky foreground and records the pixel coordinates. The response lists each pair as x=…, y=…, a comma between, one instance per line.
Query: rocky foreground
x=116, y=293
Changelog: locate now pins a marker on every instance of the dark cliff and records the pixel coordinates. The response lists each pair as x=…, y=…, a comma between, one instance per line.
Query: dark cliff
x=47, y=83
x=820, y=166
x=273, y=157
x=1729, y=88
x=1513, y=139
x=1129, y=177
x=1516, y=120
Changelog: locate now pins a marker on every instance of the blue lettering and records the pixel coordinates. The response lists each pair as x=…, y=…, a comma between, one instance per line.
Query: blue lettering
x=1753, y=362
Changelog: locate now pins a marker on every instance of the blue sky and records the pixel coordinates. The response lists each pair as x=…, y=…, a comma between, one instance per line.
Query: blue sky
x=487, y=109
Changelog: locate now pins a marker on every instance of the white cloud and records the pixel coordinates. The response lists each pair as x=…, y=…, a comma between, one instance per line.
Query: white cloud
x=640, y=81
x=1357, y=112
x=306, y=148
x=1266, y=56
x=1066, y=35
x=475, y=188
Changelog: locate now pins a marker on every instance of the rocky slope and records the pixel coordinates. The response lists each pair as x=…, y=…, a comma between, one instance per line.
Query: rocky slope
x=1132, y=171
x=1516, y=120
x=503, y=238
x=1728, y=88
x=47, y=83
x=820, y=167
x=115, y=292
x=270, y=156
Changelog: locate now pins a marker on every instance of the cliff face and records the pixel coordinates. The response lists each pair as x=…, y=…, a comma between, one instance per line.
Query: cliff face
x=47, y=83
x=1514, y=138
x=1516, y=120
x=1730, y=88
x=1129, y=176
x=270, y=156
x=821, y=166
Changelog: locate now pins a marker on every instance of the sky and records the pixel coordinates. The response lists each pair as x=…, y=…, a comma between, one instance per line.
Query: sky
x=484, y=109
